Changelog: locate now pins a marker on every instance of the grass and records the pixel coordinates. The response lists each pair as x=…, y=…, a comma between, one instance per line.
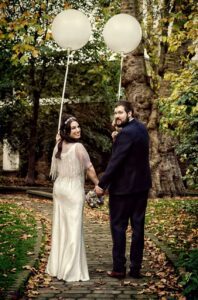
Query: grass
x=174, y=222
x=17, y=239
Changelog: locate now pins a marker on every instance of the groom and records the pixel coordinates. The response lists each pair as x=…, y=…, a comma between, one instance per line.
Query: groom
x=128, y=179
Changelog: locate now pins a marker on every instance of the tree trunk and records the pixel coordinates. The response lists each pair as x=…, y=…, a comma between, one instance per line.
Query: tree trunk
x=166, y=174
x=36, y=85
x=30, y=177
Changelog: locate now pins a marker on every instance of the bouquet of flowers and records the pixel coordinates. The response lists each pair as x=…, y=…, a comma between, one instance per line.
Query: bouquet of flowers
x=93, y=200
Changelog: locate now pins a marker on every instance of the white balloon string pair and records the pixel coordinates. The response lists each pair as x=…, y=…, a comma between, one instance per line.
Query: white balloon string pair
x=64, y=87
x=120, y=81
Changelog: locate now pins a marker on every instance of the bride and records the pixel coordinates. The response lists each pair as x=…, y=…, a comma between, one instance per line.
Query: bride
x=70, y=164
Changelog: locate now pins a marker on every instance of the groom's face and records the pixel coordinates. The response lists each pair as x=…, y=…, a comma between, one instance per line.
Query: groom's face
x=121, y=117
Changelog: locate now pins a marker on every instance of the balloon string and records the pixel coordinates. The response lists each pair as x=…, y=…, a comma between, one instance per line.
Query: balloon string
x=121, y=64
x=64, y=86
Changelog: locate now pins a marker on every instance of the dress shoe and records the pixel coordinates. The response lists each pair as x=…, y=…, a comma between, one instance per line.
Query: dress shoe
x=118, y=275
x=135, y=274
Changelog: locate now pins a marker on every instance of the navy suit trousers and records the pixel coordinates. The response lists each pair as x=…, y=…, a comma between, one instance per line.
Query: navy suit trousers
x=125, y=208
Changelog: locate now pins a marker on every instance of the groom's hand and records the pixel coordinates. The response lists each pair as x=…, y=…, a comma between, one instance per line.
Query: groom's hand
x=99, y=191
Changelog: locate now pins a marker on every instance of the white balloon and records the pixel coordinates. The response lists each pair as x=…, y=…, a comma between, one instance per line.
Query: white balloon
x=71, y=29
x=122, y=33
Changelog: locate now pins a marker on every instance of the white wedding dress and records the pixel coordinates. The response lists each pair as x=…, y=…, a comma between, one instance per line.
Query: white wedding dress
x=67, y=259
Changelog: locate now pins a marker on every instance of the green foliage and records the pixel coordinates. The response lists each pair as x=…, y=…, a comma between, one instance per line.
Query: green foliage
x=180, y=117
x=95, y=138
x=190, y=207
x=92, y=82
x=174, y=223
x=15, y=118
x=12, y=123
x=25, y=32
x=189, y=279
x=17, y=235
x=33, y=66
x=169, y=28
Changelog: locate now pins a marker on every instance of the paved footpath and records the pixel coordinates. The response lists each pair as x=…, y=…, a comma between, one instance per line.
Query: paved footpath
x=100, y=286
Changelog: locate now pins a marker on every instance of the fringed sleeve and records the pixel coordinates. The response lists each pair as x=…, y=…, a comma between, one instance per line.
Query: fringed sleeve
x=54, y=165
x=83, y=156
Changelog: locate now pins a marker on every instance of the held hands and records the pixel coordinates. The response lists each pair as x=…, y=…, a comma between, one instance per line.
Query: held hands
x=99, y=191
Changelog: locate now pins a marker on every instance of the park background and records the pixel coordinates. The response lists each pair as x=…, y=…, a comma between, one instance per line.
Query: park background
x=159, y=78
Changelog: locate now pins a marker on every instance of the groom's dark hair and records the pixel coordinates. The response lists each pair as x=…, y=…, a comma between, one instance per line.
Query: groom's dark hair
x=126, y=104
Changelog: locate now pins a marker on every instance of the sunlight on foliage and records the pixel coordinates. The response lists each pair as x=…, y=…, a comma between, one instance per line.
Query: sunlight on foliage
x=180, y=117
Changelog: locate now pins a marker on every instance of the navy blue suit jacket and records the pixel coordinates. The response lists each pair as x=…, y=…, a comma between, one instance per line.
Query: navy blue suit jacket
x=128, y=169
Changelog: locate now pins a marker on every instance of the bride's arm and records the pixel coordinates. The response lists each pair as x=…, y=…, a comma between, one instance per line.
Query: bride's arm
x=84, y=158
x=91, y=173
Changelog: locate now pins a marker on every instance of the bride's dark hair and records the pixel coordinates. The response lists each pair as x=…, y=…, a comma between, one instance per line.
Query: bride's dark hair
x=65, y=130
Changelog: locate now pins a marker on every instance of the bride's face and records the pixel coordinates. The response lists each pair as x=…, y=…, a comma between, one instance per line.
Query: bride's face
x=75, y=130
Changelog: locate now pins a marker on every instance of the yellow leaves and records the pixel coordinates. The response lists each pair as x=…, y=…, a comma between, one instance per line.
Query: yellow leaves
x=16, y=49
x=164, y=39
x=26, y=14
x=164, y=20
x=23, y=52
x=13, y=270
x=97, y=215
x=27, y=47
x=27, y=267
x=126, y=282
x=23, y=215
x=99, y=283
x=33, y=294
x=3, y=5
x=12, y=250
x=170, y=76
x=161, y=274
x=43, y=6
x=175, y=231
x=25, y=236
x=11, y=35
x=100, y=270
x=35, y=53
x=67, y=5
x=40, y=31
x=192, y=236
x=53, y=287
x=48, y=36
x=47, y=280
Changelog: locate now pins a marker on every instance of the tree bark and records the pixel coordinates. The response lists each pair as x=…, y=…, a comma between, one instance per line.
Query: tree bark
x=30, y=177
x=166, y=174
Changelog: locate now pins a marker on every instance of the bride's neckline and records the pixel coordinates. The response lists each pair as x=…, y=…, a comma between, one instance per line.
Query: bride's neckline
x=67, y=146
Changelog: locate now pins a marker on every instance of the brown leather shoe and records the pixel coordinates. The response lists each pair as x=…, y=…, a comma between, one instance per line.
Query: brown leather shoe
x=118, y=275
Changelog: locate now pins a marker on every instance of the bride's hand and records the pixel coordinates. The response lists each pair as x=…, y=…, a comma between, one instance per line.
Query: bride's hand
x=99, y=191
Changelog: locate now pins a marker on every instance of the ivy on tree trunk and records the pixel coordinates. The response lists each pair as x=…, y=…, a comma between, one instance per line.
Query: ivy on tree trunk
x=166, y=174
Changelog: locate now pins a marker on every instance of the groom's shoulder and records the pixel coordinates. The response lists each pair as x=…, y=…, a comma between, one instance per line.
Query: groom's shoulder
x=136, y=125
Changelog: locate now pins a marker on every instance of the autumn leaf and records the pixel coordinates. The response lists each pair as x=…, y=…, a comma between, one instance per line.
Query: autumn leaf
x=27, y=267
x=100, y=270
x=25, y=236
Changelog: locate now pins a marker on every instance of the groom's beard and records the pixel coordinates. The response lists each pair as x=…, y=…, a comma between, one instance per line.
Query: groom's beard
x=123, y=123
